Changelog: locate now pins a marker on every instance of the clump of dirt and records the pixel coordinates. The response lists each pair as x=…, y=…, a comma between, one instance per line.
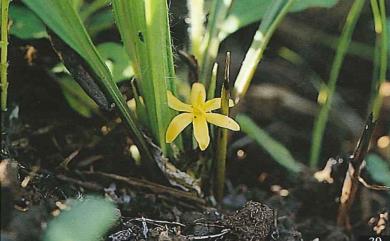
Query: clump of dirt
x=253, y=222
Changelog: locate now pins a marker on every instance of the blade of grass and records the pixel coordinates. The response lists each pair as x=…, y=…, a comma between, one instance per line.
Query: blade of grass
x=211, y=41
x=222, y=135
x=4, y=53
x=376, y=57
x=275, y=149
x=381, y=55
x=61, y=17
x=275, y=14
x=213, y=83
x=145, y=32
x=322, y=117
x=196, y=28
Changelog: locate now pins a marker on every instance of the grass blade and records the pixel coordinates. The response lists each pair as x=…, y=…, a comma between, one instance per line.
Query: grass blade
x=145, y=32
x=275, y=149
x=196, y=29
x=322, y=117
x=275, y=14
x=61, y=17
x=381, y=55
x=211, y=41
x=213, y=83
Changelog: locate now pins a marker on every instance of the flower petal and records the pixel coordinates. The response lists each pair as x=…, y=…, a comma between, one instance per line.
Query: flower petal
x=201, y=131
x=176, y=104
x=215, y=103
x=198, y=94
x=177, y=125
x=222, y=121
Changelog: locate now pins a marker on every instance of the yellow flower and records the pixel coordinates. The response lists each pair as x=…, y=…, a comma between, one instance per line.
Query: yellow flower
x=199, y=113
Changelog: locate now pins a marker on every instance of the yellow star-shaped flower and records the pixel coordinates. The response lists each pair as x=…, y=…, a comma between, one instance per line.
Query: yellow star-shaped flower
x=199, y=113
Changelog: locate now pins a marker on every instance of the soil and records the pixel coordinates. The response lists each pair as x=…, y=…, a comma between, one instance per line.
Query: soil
x=50, y=153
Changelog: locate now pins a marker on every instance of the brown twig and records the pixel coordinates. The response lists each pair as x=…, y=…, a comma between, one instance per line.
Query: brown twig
x=153, y=187
x=373, y=186
x=87, y=185
x=351, y=181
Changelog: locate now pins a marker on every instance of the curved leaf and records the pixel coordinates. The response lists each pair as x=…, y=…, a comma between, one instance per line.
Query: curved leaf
x=246, y=12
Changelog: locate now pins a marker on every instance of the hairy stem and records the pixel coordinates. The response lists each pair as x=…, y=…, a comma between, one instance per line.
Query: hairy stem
x=4, y=52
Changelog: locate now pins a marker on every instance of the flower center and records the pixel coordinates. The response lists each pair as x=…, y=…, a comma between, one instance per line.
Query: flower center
x=198, y=111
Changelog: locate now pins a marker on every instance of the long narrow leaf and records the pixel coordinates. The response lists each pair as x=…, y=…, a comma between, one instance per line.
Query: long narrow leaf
x=275, y=14
x=196, y=31
x=211, y=41
x=61, y=17
x=246, y=12
x=273, y=147
x=381, y=47
x=144, y=28
x=322, y=118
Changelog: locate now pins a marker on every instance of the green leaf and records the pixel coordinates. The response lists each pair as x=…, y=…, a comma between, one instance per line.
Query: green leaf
x=62, y=18
x=86, y=220
x=246, y=12
x=99, y=22
x=341, y=51
x=76, y=97
x=144, y=28
x=25, y=24
x=117, y=60
x=274, y=148
x=211, y=41
x=274, y=16
x=378, y=169
x=300, y=5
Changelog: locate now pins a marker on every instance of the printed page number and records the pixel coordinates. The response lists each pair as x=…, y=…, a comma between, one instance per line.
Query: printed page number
x=374, y=238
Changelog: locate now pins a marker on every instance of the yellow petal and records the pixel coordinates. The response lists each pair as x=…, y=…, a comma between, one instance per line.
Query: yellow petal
x=215, y=103
x=222, y=121
x=201, y=131
x=176, y=104
x=177, y=125
x=198, y=94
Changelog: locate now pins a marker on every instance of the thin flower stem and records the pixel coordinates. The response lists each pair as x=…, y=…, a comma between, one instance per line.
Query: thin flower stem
x=222, y=135
x=322, y=118
x=4, y=52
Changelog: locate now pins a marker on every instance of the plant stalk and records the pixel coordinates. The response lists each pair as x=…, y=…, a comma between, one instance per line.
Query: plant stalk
x=322, y=117
x=4, y=53
x=222, y=135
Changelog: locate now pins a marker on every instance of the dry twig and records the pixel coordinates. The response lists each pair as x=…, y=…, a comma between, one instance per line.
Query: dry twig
x=351, y=181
